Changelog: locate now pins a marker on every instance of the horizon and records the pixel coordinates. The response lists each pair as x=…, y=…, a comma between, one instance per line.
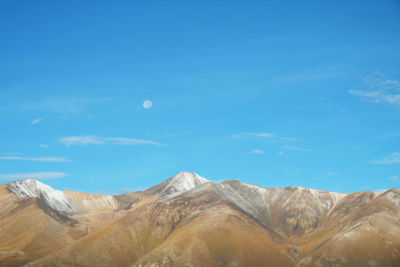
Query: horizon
x=107, y=98
x=217, y=182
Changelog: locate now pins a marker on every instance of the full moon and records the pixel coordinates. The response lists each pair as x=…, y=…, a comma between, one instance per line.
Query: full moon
x=147, y=104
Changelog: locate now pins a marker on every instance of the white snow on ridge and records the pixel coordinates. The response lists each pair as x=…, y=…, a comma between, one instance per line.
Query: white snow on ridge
x=254, y=199
x=53, y=198
x=183, y=181
x=392, y=196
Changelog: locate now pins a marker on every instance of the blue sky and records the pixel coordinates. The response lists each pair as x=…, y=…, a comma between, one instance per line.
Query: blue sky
x=276, y=93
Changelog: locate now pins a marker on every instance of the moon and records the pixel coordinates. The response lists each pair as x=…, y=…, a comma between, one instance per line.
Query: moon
x=147, y=104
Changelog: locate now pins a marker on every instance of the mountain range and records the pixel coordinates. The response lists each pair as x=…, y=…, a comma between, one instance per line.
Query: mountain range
x=190, y=221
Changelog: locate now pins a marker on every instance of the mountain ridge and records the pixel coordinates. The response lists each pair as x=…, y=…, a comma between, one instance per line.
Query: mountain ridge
x=188, y=220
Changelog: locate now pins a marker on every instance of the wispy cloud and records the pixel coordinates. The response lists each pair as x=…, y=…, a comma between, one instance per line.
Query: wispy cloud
x=235, y=136
x=291, y=139
x=378, y=88
x=82, y=140
x=130, y=141
x=256, y=151
x=270, y=138
x=391, y=159
x=377, y=96
x=44, y=146
x=296, y=148
x=266, y=135
x=58, y=105
x=395, y=179
x=263, y=135
x=45, y=159
x=36, y=121
x=33, y=175
x=96, y=140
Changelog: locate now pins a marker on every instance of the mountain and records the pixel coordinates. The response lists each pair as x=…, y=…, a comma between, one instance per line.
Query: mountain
x=180, y=183
x=190, y=221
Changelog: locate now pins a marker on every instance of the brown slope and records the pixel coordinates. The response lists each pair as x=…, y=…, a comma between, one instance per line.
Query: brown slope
x=221, y=236
x=362, y=230
x=206, y=227
x=292, y=211
x=162, y=224
x=29, y=230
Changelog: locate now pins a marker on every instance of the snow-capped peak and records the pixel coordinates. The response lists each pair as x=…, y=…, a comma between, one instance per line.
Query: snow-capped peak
x=183, y=181
x=53, y=198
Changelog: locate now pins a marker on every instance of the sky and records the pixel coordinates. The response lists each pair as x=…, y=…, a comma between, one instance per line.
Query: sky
x=117, y=96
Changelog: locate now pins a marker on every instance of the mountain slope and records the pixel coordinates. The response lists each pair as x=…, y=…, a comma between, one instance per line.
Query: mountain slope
x=66, y=202
x=29, y=230
x=191, y=221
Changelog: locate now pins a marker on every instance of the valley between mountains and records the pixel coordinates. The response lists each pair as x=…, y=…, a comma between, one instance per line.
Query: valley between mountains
x=191, y=221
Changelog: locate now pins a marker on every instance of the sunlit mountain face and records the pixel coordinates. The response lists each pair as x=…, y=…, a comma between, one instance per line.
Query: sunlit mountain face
x=190, y=221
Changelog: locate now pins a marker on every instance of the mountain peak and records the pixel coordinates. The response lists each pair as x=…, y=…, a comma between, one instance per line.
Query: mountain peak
x=33, y=188
x=29, y=188
x=183, y=181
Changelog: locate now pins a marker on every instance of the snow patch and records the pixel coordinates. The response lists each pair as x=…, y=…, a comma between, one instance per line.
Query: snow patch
x=183, y=181
x=55, y=199
x=392, y=197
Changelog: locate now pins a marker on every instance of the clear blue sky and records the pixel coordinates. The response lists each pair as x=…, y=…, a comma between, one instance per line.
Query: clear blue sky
x=276, y=93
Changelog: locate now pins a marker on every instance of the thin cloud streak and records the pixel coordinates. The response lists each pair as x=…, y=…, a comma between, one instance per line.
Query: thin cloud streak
x=44, y=159
x=82, y=140
x=377, y=96
x=380, y=89
x=296, y=148
x=256, y=151
x=131, y=141
x=70, y=105
x=33, y=175
x=264, y=135
x=95, y=140
x=36, y=121
x=391, y=159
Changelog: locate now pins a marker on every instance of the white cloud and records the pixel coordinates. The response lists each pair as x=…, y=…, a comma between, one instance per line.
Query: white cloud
x=270, y=139
x=36, y=121
x=264, y=135
x=256, y=151
x=34, y=175
x=377, y=96
x=44, y=146
x=391, y=159
x=270, y=136
x=291, y=147
x=379, y=89
x=95, y=140
x=236, y=136
x=290, y=139
x=395, y=179
x=130, y=141
x=82, y=140
x=72, y=105
x=45, y=159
